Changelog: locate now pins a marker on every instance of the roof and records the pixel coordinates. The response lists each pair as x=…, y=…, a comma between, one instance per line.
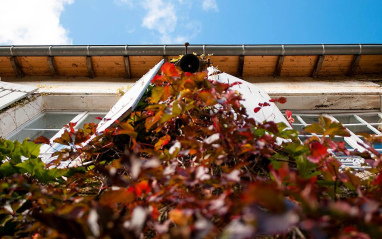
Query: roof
x=246, y=61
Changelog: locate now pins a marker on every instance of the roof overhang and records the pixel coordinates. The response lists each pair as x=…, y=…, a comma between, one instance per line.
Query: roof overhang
x=244, y=61
x=168, y=50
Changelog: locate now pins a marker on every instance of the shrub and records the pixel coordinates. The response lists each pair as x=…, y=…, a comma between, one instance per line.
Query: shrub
x=190, y=163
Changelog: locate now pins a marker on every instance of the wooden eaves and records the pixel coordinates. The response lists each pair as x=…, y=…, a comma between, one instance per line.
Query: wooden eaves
x=245, y=61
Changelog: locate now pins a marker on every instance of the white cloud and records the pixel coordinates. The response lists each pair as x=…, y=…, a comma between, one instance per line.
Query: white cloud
x=161, y=17
x=210, y=5
x=32, y=22
x=169, y=20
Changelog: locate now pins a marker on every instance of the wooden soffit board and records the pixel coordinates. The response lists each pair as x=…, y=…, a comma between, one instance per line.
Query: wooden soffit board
x=245, y=66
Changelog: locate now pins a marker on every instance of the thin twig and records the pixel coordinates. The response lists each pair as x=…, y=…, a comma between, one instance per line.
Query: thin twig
x=299, y=233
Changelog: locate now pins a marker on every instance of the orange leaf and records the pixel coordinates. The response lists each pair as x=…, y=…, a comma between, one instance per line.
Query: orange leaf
x=166, y=92
x=178, y=217
x=207, y=97
x=117, y=196
x=128, y=129
x=169, y=69
x=150, y=121
x=162, y=142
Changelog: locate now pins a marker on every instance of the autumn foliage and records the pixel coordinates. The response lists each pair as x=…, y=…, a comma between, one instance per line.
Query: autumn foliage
x=190, y=163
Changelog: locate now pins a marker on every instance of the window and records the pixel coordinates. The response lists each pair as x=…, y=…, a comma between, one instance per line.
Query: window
x=50, y=125
x=357, y=123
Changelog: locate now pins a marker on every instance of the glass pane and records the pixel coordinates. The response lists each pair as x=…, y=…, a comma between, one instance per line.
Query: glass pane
x=90, y=118
x=347, y=119
x=342, y=139
x=52, y=121
x=372, y=118
x=378, y=146
x=303, y=138
x=33, y=134
x=300, y=128
x=310, y=119
x=377, y=127
x=360, y=129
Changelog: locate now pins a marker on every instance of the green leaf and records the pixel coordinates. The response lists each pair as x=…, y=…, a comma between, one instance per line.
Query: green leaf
x=29, y=149
x=277, y=160
x=315, y=129
x=50, y=175
x=176, y=108
x=259, y=132
x=36, y=168
x=166, y=117
x=306, y=168
x=30, y=166
x=7, y=169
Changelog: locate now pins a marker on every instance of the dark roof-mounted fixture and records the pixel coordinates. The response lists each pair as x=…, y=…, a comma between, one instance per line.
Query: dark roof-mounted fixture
x=189, y=62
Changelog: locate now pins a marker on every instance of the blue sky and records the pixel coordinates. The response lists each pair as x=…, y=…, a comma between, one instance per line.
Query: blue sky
x=104, y=22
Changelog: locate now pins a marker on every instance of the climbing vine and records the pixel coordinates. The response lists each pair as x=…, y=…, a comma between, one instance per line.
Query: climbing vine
x=190, y=163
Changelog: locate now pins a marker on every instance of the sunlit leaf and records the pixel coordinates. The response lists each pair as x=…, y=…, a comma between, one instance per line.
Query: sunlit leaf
x=162, y=142
x=150, y=121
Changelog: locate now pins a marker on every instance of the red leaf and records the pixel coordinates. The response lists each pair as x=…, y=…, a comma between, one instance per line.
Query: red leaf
x=71, y=126
x=266, y=104
x=157, y=80
x=142, y=187
x=282, y=100
x=257, y=109
x=41, y=140
x=289, y=116
x=98, y=118
x=318, y=151
x=288, y=113
x=236, y=83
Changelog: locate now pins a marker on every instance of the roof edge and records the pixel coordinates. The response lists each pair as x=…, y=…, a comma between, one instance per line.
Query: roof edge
x=168, y=50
